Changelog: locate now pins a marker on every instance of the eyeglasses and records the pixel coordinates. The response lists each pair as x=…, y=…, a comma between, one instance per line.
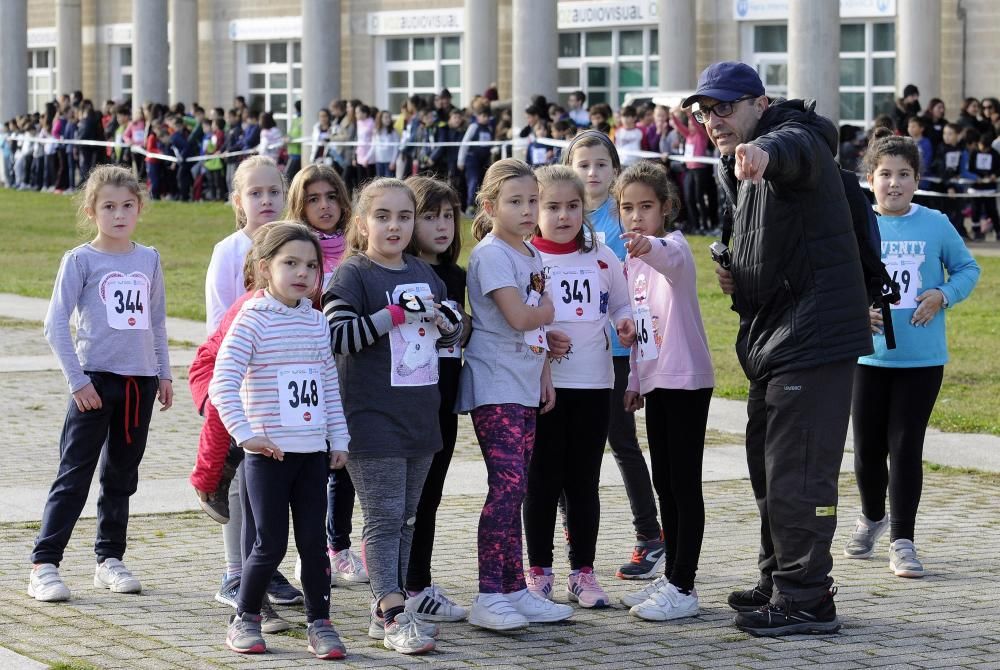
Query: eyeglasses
x=721, y=110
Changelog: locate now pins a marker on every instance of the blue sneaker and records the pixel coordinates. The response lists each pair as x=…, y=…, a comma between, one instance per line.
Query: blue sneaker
x=228, y=590
x=281, y=592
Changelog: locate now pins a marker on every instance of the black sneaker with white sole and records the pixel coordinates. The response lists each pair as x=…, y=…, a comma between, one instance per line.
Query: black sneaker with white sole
x=750, y=599
x=817, y=618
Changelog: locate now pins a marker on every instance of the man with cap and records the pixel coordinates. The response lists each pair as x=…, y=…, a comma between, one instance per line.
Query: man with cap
x=795, y=278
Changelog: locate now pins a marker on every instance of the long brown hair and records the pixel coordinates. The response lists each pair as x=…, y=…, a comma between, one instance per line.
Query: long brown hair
x=270, y=238
x=655, y=177
x=355, y=239
x=431, y=196
x=314, y=174
x=498, y=174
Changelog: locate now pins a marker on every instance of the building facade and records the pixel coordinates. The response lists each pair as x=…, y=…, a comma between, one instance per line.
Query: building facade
x=382, y=51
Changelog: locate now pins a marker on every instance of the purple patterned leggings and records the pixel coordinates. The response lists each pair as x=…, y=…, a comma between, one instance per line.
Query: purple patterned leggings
x=506, y=435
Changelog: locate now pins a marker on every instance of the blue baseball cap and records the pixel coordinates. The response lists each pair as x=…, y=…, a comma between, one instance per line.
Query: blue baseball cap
x=726, y=81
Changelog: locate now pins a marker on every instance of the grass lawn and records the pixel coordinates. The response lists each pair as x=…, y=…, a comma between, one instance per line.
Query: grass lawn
x=39, y=227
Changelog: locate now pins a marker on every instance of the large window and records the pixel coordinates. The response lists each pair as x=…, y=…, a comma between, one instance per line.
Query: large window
x=41, y=78
x=867, y=67
x=867, y=71
x=274, y=78
x=422, y=66
x=607, y=65
x=121, y=72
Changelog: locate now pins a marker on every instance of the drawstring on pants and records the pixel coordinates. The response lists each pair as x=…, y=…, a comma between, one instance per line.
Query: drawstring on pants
x=130, y=384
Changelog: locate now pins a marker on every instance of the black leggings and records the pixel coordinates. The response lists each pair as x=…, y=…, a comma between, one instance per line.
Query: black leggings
x=271, y=487
x=569, y=446
x=418, y=574
x=675, y=427
x=890, y=410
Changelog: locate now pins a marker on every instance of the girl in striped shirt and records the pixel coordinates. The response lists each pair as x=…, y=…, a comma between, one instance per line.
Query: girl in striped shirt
x=275, y=386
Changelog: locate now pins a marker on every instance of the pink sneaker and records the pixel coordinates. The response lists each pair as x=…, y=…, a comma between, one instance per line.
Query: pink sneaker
x=584, y=589
x=540, y=583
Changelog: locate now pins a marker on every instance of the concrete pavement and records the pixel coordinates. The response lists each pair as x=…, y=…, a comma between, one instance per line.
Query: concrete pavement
x=946, y=619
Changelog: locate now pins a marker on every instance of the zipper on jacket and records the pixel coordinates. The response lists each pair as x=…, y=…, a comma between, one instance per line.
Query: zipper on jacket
x=795, y=305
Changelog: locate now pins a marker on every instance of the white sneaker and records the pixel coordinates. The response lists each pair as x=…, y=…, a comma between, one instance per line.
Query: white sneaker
x=45, y=584
x=666, y=604
x=404, y=635
x=112, y=574
x=376, y=624
x=536, y=609
x=633, y=599
x=433, y=605
x=348, y=566
x=494, y=611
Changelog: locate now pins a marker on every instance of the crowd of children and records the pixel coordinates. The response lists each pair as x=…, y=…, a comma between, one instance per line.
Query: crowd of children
x=340, y=352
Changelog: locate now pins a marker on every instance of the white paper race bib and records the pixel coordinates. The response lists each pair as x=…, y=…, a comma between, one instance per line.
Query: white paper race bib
x=536, y=337
x=905, y=271
x=984, y=161
x=126, y=301
x=645, y=335
x=300, y=393
x=688, y=149
x=539, y=155
x=575, y=293
x=951, y=159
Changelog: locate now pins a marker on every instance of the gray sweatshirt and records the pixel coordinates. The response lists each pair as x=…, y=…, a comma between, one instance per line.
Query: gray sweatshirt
x=120, y=314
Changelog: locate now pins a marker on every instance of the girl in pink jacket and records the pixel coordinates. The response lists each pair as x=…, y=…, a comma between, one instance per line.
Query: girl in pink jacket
x=671, y=374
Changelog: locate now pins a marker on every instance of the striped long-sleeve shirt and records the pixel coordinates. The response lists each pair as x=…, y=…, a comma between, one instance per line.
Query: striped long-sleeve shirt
x=391, y=406
x=275, y=377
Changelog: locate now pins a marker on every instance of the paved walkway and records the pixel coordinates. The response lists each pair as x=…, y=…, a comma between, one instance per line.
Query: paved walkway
x=946, y=619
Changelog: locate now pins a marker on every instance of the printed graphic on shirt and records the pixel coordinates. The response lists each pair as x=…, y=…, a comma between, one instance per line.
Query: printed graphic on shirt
x=903, y=260
x=126, y=300
x=300, y=394
x=535, y=339
x=413, y=346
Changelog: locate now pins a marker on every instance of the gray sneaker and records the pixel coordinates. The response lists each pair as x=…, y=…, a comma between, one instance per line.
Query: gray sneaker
x=270, y=620
x=903, y=559
x=404, y=635
x=324, y=641
x=244, y=636
x=866, y=533
x=112, y=574
x=45, y=584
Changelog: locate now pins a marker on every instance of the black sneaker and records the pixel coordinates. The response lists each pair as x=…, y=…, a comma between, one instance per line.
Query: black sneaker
x=648, y=559
x=280, y=592
x=750, y=599
x=775, y=620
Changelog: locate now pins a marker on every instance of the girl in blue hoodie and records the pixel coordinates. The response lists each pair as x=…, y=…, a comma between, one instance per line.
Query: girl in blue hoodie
x=895, y=389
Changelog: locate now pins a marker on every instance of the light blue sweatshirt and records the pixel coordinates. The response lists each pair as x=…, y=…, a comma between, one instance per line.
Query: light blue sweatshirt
x=608, y=227
x=917, y=248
